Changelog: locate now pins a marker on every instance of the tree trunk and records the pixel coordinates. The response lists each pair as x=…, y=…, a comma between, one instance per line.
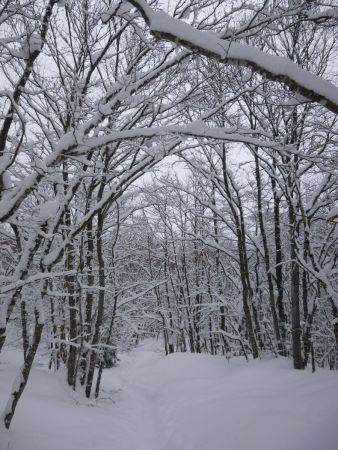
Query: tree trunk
x=100, y=306
x=22, y=378
x=295, y=310
x=267, y=257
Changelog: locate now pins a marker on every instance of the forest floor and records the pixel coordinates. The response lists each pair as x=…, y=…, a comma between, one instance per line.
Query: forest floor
x=179, y=402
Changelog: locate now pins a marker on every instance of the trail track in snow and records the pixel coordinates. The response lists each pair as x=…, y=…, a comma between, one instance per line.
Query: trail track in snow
x=142, y=428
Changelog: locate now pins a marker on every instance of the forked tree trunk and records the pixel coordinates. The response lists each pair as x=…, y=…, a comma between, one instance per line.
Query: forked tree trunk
x=237, y=213
x=89, y=298
x=278, y=260
x=280, y=345
x=100, y=306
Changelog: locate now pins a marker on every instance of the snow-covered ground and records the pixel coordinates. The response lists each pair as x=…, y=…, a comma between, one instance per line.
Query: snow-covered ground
x=178, y=402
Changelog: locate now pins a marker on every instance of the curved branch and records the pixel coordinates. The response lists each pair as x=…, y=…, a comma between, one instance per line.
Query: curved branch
x=209, y=44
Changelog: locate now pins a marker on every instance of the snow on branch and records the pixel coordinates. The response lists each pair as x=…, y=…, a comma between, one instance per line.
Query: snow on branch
x=196, y=129
x=273, y=67
x=333, y=214
x=33, y=279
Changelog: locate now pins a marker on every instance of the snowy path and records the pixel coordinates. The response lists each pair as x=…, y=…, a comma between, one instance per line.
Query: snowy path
x=138, y=416
x=180, y=402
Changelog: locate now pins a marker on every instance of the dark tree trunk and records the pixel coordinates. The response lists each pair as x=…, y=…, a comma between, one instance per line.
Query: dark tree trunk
x=100, y=306
x=25, y=337
x=279, y=263
x=267, y=257
x=295, y=310
x=22, y=378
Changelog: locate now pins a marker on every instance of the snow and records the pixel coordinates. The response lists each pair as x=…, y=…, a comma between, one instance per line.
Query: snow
x=194, y=129
x=333, y=214
x=179, y=402
x=209, y=43
x=330, y=13
x=49, y=209
x=34, y=43
x=116, y=8
x=7, y=181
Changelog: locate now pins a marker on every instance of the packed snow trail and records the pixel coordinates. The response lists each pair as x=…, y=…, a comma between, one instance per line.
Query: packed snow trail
x=179, y=402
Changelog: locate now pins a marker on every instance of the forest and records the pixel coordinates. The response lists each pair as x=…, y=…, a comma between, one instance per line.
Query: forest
x=168, y=171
